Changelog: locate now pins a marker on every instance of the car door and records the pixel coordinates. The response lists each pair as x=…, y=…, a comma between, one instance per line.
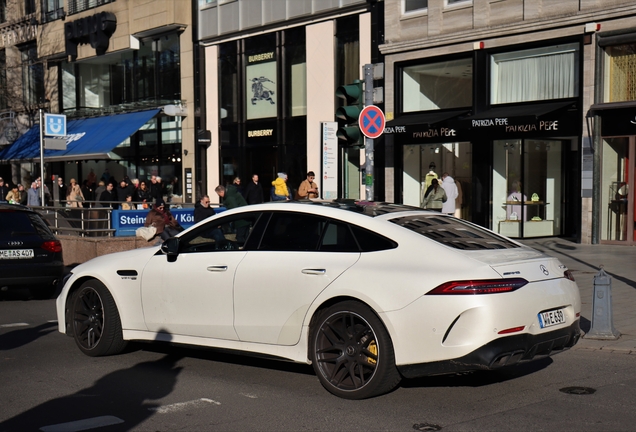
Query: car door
x=298, y=257
x=191, y=293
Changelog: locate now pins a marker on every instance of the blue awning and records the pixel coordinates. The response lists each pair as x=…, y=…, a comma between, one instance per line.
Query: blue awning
x=91, y=138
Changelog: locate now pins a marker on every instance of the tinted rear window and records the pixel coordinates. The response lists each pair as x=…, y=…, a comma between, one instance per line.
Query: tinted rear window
x=453, y=232
x=15, y=223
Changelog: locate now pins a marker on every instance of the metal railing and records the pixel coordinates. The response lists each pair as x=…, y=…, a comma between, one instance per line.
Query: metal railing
x=91, y=220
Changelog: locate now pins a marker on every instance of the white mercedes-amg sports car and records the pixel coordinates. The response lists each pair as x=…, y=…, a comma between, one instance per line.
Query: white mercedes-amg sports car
x=368, y=293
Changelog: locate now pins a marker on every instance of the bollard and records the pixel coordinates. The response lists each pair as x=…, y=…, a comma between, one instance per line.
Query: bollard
x=602, y=324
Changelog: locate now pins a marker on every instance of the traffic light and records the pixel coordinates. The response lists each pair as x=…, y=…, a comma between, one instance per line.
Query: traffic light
x=349, y=130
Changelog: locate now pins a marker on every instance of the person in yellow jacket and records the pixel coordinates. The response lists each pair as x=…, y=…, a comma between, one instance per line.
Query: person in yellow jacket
x=280, y=191
x=14, y=196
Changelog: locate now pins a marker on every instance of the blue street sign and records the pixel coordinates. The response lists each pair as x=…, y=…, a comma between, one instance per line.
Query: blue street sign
x=55, y=125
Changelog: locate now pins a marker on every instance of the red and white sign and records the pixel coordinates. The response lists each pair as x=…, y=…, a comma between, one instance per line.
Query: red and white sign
x=371, y=121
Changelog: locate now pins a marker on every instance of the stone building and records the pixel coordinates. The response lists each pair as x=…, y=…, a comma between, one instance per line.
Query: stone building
x=529, y=105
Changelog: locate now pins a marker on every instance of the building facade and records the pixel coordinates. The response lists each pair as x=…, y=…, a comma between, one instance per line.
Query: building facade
x=122, y=73
x=528, y=105
x=268, y=81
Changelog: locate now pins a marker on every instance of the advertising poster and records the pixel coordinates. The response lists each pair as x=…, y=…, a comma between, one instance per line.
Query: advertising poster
x=261, y=86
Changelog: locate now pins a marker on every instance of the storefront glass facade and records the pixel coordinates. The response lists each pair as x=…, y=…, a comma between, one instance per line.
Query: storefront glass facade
x=527, y=187
x=132, y=80
x=617, y=142
x=512, y=144
x=263, y=105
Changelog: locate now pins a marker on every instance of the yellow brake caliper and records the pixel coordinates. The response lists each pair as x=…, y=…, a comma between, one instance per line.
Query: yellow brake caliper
x=373, y=348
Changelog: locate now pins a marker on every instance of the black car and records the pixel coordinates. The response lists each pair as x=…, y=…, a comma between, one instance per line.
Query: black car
x=30, y=255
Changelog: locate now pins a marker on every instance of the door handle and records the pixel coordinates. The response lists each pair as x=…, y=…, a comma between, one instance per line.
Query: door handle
x=219, y=268
x=314, y=271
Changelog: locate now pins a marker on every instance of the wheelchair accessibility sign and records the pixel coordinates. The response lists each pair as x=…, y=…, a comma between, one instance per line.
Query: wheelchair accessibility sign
x=55, y=125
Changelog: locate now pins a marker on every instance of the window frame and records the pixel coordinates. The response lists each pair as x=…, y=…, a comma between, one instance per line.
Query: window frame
x=413, y=12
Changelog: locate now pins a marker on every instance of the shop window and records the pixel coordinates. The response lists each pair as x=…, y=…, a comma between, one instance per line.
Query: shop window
x=228, y=83
x=32, y=76
x=151, y=73
x=52, y=10
x=615, y=171
x=454, y=2
x=425, y=162
x=620, y=76
x=527, y=188
x=76, y=6
x=296, y=71
x=436, y=86
x=535, y=74
x=95, y=89
x=29, y=7
x=414, y=5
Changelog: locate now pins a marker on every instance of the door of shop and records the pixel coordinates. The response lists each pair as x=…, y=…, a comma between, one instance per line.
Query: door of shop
x=617, y=190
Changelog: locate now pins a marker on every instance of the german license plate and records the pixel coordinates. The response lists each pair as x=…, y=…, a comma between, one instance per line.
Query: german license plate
x=551, y=318
x=16, y=253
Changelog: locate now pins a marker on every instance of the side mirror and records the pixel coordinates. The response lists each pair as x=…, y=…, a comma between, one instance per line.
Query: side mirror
x=170, y=247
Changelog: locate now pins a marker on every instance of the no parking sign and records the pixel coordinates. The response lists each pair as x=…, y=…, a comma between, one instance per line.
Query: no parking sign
x=371, y=121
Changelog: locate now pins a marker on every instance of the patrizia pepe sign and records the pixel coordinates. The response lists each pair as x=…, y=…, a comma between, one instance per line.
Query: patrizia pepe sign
x=565, y=124
x=542, y=125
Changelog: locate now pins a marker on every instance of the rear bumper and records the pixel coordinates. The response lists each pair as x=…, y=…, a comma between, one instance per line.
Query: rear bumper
x=33, y=274
x=505, y=351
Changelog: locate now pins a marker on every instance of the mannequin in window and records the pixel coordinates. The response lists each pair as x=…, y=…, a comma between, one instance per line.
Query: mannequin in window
x=428, y=181
x=513, y=212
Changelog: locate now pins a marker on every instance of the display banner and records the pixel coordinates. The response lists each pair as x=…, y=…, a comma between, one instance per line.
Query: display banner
x=126, y=222
x=260, y=86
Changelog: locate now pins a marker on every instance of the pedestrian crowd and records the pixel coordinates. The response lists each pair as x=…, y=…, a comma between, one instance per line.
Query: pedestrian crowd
x=126, y=194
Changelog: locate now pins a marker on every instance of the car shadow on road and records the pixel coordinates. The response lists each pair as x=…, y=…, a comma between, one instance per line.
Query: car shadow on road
x=479, y=378
x=121, y=400
x=17, y=338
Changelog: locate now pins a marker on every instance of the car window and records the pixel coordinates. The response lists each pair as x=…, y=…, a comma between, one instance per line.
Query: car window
x=288, y=231
x=338, y=237
x=292, y=232
x=40, y=225
x=370, y=241
x=14, y=223
x=227, y=233
x=455, y=233
x=17, y=223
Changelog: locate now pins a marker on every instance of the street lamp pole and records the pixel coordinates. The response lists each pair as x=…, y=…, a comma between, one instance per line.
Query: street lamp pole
x=41, y=159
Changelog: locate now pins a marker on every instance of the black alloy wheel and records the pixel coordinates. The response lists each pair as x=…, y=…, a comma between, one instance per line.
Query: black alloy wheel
x=96, y=324
x=352, y=352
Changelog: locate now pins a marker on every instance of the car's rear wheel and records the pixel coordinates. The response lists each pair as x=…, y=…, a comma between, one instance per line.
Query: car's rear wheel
x=352, y=352
x=96, y=323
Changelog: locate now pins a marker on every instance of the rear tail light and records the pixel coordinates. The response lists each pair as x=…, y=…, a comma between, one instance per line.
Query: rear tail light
x=495, y=286
x=512, y=330
x=52, y=246
x=568, y=275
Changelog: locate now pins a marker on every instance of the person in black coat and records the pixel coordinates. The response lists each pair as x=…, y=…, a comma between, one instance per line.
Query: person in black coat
x=4, y=190
x=108, y=195
x=254, y=191
x=202, y=209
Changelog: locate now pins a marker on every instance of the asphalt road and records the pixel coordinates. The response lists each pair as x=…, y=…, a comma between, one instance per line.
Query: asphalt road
x=46, y=384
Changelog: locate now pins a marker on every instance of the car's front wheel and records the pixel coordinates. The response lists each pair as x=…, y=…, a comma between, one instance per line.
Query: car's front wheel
x=96, y=324
x=352, y=352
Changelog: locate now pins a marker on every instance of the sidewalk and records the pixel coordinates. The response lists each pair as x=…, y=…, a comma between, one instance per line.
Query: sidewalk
x=584, y=261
